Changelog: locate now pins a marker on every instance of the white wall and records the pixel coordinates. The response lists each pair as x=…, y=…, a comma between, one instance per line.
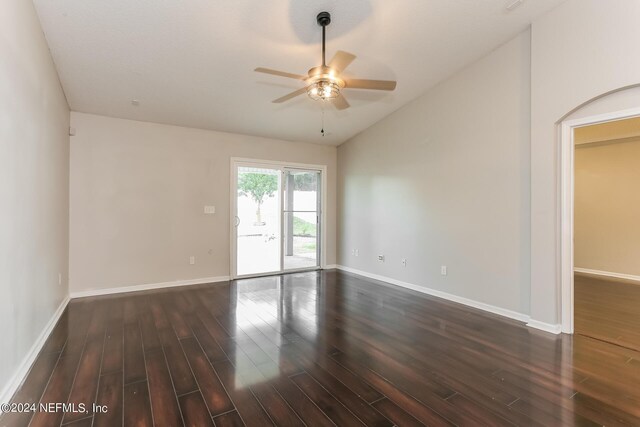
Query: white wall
x=580, y=50
x=445, y=181
x=34, y=187
x=137, y=196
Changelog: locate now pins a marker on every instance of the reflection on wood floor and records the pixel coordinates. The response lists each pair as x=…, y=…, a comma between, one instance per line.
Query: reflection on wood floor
x=327, y=348
x=608, y=310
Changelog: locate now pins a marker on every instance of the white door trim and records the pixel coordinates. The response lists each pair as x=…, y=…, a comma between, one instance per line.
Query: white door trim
x=567, y=174
x=238, y=161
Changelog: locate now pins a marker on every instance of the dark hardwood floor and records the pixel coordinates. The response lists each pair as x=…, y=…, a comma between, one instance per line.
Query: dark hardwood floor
x=608, y=310
x=323, y=349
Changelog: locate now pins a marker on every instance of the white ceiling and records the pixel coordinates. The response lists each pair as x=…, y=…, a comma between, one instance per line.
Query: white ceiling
x=190, y=62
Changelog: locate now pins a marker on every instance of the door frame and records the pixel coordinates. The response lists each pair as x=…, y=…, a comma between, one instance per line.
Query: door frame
x=281, y=165
x=567, y=194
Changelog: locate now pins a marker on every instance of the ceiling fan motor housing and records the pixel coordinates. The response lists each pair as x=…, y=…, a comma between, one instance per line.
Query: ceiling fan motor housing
x=324, y=19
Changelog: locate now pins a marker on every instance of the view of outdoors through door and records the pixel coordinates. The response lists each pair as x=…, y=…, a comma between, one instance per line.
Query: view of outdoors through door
x=277, y=219
x=258, y=237
x=301, y=218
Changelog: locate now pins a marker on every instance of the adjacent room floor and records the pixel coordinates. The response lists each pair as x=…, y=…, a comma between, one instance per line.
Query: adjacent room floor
x=608, y=310
x=326, y=348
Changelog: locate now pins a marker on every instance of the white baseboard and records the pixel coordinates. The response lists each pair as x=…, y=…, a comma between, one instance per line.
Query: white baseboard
x=554, y=329
x=21, y=373
x=330, y=267
x=466, y=301
x=607, y=274
x=547, y=327
x=147, y=287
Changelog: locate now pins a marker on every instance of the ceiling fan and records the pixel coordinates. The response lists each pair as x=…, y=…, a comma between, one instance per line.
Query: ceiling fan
x=325, y=82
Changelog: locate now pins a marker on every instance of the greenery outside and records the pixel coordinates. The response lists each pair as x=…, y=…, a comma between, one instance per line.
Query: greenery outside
x=258, y=186
x=303, y=228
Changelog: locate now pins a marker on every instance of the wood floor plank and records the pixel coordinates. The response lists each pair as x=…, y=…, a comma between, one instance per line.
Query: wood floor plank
x=300, y=402
x=213, y=392
x=483, y=416
x=335, y=410
x=80, y=314
x=275, y=405
x=420, y=410
x=211, y=348
x=113, y=359
x=230, y=419
x=183, y=380
x=353, y=382
x=243, y=399
x=57, y=391
x=137, y=407
x=194, y=410
x=130, y=312
x=84, y=422
x=85, y=385
x=150, y=339
x=110, y=397
x=395, y=414
x=134, y=369
x=357, y=406
x=164, y=403
x=176, y=319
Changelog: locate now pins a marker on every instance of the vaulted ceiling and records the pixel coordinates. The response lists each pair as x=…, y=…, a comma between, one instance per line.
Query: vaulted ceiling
x=191, y=62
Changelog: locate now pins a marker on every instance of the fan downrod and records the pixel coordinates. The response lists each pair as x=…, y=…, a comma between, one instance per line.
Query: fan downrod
x=323, y=19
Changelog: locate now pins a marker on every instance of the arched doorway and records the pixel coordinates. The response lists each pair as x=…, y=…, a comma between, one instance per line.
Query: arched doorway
x=614, y=106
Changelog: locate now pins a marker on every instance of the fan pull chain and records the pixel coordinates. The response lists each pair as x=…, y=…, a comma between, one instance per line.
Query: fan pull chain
x=322, y=129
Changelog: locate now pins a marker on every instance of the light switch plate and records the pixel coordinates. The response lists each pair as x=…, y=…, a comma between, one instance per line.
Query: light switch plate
x=209, y=209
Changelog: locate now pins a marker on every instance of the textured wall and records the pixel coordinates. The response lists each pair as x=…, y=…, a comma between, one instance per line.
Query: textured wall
x=34, y=186
x=445, y=181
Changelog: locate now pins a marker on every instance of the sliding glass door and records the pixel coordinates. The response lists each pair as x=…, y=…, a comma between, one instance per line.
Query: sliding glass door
x=258, y=221
x=276, y=219
x=301, y=219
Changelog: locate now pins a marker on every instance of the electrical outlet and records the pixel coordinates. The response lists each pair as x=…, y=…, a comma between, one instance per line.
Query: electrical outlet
x=443, y=270
x=381, y=258
x=404, y=262
x=192, y=260
x=59, y=278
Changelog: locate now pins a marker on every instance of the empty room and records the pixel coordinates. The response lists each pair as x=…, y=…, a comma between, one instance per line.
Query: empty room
x=319, y=213
x=607, y=239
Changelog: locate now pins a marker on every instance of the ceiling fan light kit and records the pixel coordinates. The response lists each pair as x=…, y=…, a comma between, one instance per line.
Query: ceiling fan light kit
x=323, y=90
x=324, y=83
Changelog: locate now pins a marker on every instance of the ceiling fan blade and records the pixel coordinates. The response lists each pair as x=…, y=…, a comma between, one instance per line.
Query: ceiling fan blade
x=280, y=73
x=370, y=84
x=341, y=60
x=290, y=95
x=340, y=102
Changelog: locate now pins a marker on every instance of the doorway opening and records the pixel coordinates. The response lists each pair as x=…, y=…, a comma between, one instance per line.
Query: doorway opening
x=277, y=217
x=600, y=237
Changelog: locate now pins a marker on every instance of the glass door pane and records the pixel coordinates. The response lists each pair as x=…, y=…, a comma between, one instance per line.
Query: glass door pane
x=301, y=219
x=258, y=219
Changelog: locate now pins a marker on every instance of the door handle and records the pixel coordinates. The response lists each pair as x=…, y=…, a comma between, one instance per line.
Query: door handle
x=237, y=220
